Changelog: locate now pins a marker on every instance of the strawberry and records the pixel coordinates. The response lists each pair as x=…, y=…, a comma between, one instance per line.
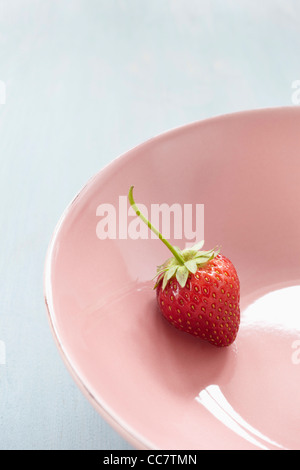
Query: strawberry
x=197, y=291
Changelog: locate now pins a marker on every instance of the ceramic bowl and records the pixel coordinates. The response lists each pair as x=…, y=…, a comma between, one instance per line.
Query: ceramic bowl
x=158, y=387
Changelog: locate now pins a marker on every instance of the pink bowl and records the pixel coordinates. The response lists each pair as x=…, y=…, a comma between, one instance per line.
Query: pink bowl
x=158, y=387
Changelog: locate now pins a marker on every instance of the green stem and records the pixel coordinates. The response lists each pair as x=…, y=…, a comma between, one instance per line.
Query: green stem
x=139, y=214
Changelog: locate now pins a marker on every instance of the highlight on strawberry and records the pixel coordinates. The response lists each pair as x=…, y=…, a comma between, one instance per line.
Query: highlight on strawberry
x=197, y=291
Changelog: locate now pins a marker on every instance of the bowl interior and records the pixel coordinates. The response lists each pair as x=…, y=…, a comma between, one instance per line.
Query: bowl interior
x=157, y=386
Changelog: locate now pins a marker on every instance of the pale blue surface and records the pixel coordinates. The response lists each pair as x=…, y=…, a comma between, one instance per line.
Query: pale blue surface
x=85, y=81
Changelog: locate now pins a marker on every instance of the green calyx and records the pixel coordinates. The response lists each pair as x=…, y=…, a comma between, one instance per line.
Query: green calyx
x=184, y=262
x=193, y=259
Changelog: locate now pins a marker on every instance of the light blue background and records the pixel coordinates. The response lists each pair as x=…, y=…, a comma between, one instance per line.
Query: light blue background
x=85, y=81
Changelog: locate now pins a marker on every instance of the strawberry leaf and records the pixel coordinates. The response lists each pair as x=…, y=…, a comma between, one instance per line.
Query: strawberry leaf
x=165, y=281
x=182, y=275
x=171, y=271
x=197, y=246
x=205, y=254
x=191, y=265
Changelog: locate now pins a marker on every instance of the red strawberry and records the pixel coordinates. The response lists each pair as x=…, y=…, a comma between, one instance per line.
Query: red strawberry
x=198, y=291
x=207, y=306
